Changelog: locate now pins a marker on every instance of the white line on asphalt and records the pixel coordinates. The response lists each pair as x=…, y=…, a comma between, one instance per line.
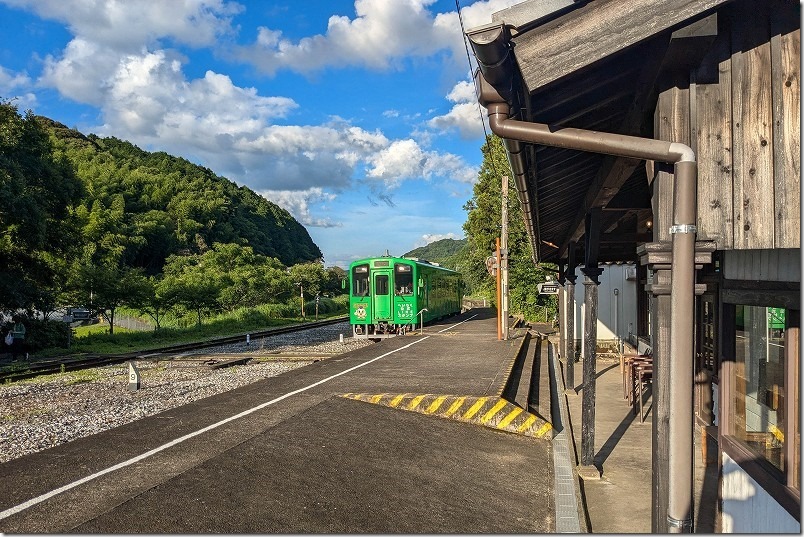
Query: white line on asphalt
x=454, y=325
x=39, y=499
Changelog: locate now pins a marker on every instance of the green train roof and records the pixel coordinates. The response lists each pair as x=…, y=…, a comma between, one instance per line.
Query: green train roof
x=393, y=259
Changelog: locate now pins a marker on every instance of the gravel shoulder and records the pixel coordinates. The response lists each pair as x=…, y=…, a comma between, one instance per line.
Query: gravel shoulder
x=47, y=411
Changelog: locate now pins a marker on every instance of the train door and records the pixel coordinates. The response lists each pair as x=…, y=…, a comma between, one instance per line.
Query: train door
x=382, y=295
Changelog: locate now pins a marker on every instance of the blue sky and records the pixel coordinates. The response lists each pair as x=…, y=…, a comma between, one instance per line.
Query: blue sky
x=357, y=116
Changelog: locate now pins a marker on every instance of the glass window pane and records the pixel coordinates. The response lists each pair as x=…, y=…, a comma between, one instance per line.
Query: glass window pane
x=759, y=381
x=381, y=283
x=360, y=280
x=403, y=279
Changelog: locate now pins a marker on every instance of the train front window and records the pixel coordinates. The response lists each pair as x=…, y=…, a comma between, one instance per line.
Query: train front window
x=403, y=280
x=382, y=285
x=360, y=280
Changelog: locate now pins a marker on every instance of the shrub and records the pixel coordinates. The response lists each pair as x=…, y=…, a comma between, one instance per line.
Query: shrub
x=42, y=333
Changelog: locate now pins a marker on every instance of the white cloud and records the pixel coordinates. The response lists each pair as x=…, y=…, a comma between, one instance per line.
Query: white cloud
x=404, y=159
x=382, y=33
x=298, y=204
x=117, y=63
x=14, y=87
x=465, y=115
x=427, y=238
x=128, y=24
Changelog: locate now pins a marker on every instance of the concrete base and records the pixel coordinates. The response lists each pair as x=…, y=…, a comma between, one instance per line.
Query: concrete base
x=588, y=473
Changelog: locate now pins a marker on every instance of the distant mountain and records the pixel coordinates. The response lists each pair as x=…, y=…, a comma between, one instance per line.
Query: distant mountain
x=144, y=206
x=445, y=252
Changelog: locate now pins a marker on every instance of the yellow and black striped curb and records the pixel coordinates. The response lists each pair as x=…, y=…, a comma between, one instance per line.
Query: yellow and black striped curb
x=492, y=412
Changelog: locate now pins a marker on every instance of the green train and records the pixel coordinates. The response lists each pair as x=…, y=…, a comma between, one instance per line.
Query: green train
x=387, y=295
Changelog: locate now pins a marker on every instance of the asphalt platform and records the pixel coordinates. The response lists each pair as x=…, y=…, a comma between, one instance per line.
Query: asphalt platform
x=359, y=443
x=449, y=431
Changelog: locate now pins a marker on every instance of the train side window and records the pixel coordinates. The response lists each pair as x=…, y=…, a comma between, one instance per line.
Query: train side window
x=403, y=279
x=360, y=280
x=381, y=283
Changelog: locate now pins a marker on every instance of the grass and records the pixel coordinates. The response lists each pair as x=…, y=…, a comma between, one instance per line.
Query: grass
x=95, y=339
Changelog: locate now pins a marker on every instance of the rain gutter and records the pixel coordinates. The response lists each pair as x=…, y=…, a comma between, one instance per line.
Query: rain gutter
x=494, y=85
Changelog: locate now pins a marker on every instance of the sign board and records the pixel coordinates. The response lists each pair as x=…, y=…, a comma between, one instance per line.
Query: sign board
x=549, y=288
x=491, y=264
x=79, y=314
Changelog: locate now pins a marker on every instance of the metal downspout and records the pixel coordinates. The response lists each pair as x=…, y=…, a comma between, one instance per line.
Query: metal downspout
x=679, y=512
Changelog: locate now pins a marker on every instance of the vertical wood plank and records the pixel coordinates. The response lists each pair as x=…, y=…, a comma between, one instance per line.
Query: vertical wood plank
x=753, y=132
x=672, y=123
x=714, y=143
x=786, y=87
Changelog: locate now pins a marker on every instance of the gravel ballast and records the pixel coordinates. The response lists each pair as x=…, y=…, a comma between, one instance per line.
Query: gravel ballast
x=47, y=411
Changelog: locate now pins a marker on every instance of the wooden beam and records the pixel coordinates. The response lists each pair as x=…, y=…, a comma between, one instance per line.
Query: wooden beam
x=595, y=31
x=614, y=171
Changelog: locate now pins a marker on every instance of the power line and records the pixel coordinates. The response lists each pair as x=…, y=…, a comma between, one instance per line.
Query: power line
x=479, y=108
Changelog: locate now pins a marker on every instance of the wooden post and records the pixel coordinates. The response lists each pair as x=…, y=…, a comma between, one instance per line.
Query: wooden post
x=570, y=328
x=591, y=272
x=660, y=387
x=589, y=373
x=562, y=309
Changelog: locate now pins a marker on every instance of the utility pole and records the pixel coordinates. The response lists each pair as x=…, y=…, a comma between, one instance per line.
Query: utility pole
x=504, y=257
x=499, y=293
x=301, y=294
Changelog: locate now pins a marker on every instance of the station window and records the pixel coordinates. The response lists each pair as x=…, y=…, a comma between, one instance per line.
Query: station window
x=764, y=382
x=403, y=279
x=360, y=280
x=759, y=381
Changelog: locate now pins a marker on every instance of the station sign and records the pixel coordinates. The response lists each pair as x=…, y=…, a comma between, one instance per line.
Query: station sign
x=549, y=288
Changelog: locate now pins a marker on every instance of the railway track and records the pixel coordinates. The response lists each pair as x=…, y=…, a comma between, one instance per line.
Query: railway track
x=74, y=363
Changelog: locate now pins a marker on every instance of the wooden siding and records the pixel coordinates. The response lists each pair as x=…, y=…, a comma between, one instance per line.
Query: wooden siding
x=712, y=105
x=753, y=130
x=786, y=90
x=779, y=265
x=671, y=122
x=745, y=127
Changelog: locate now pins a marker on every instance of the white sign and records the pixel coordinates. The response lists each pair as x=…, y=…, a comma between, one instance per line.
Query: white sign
x=549, y=288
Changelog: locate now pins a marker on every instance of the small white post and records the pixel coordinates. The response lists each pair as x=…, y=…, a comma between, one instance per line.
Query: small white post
x=341, y=338
x=248, y=339
x=133, y=377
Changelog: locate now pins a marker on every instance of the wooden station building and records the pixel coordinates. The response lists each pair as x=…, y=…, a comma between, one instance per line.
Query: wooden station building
x=666, y=133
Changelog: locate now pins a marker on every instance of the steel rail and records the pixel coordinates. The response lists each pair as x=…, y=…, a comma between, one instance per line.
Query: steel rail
x=75, y=363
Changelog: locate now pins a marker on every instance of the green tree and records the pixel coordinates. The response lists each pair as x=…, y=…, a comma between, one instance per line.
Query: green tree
x=104, y=288
x=245, y=278
x=188, y=285
x=309, y=277
x=332, y=284
x=38, y=190
x=156, y=300
x=483, y=226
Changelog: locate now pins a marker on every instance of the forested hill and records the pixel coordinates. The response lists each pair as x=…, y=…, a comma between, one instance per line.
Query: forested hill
x=146, y=206
x=444, y=251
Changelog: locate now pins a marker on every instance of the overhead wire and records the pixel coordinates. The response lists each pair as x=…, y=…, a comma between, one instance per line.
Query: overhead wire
x=479, y=108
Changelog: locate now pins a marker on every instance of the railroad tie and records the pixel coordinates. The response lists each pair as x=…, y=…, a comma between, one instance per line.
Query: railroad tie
x=492, y=412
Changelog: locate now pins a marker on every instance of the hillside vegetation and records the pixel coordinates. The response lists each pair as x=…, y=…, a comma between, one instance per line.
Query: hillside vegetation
x=445, y=252
x=100, y=224
x=156, y=204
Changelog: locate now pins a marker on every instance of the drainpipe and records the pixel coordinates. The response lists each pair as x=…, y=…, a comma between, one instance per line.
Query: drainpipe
x=491, y=44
